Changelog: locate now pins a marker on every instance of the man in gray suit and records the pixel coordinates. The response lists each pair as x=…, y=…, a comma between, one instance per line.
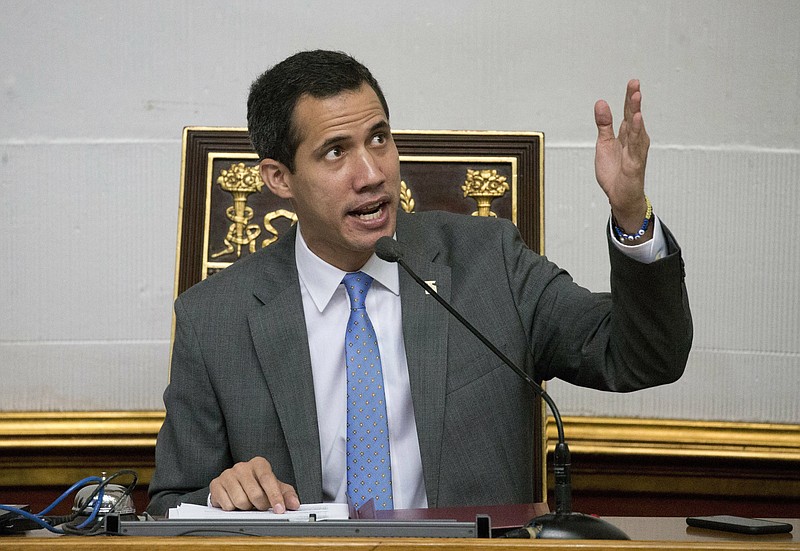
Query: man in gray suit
x=258, y=404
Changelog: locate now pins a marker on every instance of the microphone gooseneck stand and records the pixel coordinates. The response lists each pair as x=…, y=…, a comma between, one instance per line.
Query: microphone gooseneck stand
x=564, y=523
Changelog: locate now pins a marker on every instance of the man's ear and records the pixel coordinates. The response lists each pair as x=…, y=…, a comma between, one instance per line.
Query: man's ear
x=276, y=176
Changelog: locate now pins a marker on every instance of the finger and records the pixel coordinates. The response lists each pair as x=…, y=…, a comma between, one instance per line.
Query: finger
x=247, y=484
x=634, y=135
x=239, y=488
x=632, y=123
x=290, y=497
x=604, y=121
x=636, y=127
x=633, y=99
x=219, y=497
x=635, y=107
x=252, y=486
x=273, y=489
x=230, y=495
x=223, y=501
x=639, y=141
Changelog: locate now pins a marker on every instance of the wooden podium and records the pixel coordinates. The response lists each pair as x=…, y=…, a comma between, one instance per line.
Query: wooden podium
x=646, y=533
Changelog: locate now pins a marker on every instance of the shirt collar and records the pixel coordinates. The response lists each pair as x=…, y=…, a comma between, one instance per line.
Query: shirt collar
x=321, y=279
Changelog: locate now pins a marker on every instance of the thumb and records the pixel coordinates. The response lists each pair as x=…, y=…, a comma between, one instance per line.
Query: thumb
x=604, y=121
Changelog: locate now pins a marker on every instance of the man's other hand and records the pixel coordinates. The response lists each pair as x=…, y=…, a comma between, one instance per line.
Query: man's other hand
x=252, y=485
x=620, y=160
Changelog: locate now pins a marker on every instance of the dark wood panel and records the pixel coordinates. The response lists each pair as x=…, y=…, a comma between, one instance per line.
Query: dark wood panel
x=624, y=485
x=603, y=484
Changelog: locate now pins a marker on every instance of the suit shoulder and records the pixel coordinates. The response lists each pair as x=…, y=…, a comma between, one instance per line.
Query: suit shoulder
x=241, y=277
x=450, y=221
x=454, y=229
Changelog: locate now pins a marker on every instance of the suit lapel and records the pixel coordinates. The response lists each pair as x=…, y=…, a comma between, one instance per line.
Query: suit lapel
x=425, y=324
x=278, y=328
x=286, y=361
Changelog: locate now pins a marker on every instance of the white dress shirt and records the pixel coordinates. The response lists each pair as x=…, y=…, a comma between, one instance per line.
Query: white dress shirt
x=646, y=252
x=327, y=309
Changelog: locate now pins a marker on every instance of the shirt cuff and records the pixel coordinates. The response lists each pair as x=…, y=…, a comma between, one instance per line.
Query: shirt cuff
x=646, y=252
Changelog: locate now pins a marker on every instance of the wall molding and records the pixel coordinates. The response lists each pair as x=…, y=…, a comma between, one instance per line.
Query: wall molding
x=42, y=449
x=79, y=429
x=679, y=438
x=57, y=448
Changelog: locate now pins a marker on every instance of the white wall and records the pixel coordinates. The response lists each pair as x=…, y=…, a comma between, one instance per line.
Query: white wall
x=93, y=97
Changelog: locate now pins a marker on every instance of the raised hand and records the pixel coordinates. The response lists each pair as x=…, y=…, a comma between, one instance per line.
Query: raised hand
x=620, y=160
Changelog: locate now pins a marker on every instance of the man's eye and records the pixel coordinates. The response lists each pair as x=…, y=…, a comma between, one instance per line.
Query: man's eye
x=379, y=139
x=334, y=153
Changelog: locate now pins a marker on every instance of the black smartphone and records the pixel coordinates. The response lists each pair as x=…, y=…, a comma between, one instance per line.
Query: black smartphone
x=740, y=525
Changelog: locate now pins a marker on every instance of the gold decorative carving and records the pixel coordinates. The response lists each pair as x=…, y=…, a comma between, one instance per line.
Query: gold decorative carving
x=269, y=217
x=406, y=200
x=240, y=181
x=484, y=186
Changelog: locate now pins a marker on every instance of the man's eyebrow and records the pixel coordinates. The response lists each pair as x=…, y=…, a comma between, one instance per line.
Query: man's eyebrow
x=380, y=126
x=330, y=142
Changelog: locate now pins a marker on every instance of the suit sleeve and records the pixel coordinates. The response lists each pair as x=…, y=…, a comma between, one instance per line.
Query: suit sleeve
x=635, y=337
x=192, y=445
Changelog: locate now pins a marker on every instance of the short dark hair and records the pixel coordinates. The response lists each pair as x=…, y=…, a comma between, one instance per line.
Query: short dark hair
x=273, y=96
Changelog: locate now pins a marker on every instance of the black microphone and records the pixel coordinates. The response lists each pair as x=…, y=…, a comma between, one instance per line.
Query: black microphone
x=563, y=524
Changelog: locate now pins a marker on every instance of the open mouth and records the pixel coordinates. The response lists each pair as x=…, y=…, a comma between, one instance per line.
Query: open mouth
x=368, y=212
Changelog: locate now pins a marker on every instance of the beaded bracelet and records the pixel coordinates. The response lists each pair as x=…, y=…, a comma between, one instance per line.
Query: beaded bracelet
x=638, y=235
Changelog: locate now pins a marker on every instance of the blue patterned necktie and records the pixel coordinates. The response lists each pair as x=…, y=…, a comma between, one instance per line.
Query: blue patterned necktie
x=369, y=472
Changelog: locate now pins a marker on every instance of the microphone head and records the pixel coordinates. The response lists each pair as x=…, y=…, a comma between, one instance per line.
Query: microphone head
x=388, y=249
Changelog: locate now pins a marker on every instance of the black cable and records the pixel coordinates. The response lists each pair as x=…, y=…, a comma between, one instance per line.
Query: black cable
x=68, y=522
x=98, y=526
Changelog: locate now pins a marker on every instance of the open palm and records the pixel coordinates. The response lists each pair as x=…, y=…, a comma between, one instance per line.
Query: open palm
x=620, y=160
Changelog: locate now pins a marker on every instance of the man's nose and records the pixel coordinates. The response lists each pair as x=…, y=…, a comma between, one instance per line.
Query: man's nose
x=369, y=172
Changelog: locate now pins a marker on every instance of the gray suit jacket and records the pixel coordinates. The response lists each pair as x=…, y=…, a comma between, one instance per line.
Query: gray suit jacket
x=241, y=381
